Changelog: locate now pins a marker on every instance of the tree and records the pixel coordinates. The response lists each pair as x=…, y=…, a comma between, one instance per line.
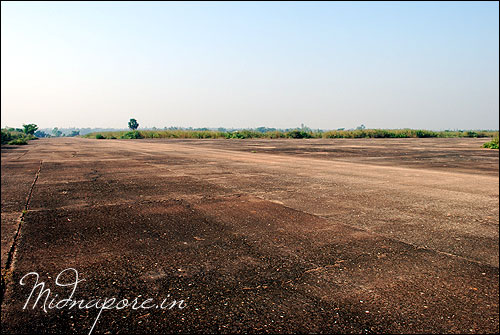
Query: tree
x=56, y=132
x=133, y=124
x=40, y=133
x=362, y=127
x=29, y=129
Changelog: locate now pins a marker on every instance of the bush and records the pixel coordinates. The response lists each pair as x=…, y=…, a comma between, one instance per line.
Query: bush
x=132, y=135
x=19, y=141
x=12, y=136
x=425, y=133
x=298, y=134
x=235, y=134
x=471, y=134
x=6, y=137
x=274, y=134
x=100, y=137
x=493, y=144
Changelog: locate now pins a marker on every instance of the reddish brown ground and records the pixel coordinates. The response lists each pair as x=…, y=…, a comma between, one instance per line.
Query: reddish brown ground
x=257, y=236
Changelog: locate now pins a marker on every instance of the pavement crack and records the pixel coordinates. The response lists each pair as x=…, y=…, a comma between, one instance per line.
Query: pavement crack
x=24, y=153
x=369, y=231
x=412, y=245
x=6, y=271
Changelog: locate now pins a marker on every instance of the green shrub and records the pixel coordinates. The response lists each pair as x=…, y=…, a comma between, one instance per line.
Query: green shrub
x=16, y=137
x=132, y=135
x=274, y=134
x=19, y=141
x=471, y=134
x=235, y=134
x=425, y=133
x=100, y=137
x=6, y=137
x=493, y=144
x=298, y=134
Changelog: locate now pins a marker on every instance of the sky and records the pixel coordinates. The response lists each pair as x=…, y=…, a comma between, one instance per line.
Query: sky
x=328, y=65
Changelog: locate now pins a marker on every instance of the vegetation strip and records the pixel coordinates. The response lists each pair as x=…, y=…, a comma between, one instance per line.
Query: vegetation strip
x=10, y=256
x=296, y=133
x=19, y=136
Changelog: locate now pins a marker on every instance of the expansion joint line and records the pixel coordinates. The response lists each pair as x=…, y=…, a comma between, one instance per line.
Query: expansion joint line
x=10, y=256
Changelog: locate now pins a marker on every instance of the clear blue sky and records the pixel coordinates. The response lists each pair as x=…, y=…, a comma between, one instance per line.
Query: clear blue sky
x=327, y=65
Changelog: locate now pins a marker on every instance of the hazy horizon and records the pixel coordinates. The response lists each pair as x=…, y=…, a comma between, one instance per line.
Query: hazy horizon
x=141, y=127
x=431, y=65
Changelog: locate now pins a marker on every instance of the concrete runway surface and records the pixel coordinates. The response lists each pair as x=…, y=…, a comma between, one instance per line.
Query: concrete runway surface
x=329, y=236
